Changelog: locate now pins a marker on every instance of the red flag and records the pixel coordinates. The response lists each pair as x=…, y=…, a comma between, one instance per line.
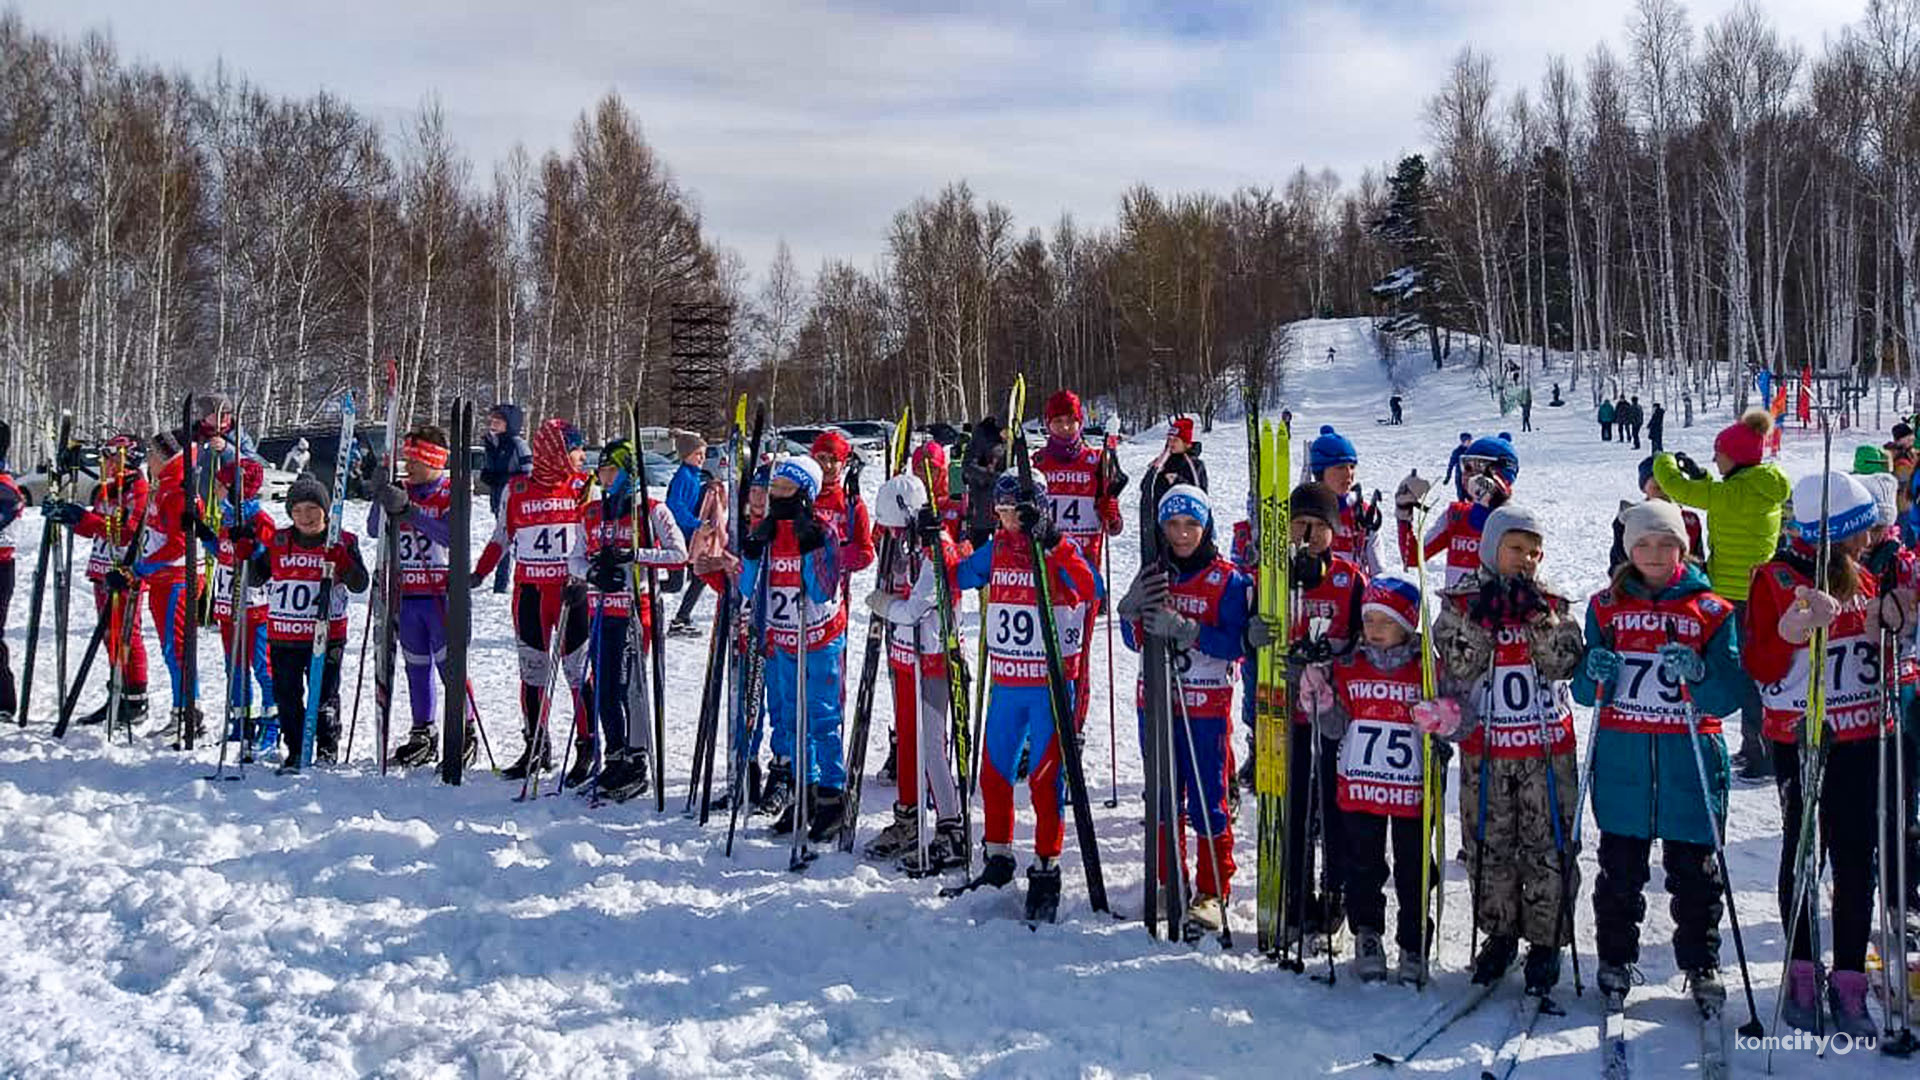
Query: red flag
x=1806, y=396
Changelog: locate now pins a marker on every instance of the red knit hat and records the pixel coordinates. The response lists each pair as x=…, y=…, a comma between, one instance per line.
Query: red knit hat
x=1062, y=403
x=831, y=444
x=1745, y=440
x=1182, y=428
x=251, y=475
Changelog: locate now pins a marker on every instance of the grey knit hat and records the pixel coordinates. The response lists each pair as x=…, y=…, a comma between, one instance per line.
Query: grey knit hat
x=1509, y=518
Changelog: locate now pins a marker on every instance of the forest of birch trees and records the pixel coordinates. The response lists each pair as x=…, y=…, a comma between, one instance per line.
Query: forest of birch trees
x=1675, y=209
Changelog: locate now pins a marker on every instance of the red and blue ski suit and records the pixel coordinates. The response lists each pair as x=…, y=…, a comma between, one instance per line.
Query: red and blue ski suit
x=162, y=567
x=1215, y=596
x=1021, y=710
x=803, y=591
x=420, y=623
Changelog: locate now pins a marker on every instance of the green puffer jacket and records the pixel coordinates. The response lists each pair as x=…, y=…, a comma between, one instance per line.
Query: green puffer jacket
x=1743, y=518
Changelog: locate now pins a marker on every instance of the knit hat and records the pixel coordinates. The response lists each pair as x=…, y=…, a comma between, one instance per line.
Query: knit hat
x=575, y=438
x=1315, y=501
x=1902, y=430
x=803, y=471
x=1651, y=518
x=1466, y=436
x=1395, y=597
x=1062, y=403
x=1499, y=451
x=1850, y=506
x=1185, y=500
x=307, y=490
x=831, y=444
x=251, y=474
x=1646, y=471
x=1868, y=460
x=687, y=442
x=550, y=464
x=1509, y=518
x=930, y=453
x=1181, y=428
x=1330, y=449
x=1745, y=440
x=1885, y=488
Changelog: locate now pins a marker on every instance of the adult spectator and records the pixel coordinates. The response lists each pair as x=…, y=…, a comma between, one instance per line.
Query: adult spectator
x=1743, y=521
x=1605, y=416
x=1454, y=476
x=506, y=455
x=296, y=460
x=684, y=494
x=1657, y=432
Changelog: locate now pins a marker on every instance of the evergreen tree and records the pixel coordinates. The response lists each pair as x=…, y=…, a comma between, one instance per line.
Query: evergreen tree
x=1419, y=296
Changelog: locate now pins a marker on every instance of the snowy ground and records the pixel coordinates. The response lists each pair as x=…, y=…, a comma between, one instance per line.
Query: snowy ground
x=336, y=924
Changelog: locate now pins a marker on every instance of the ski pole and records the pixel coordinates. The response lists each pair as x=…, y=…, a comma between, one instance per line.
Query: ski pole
x=1896, y=1037
x=360, y=682
x=1480, y=823
x=1752, y=1029
x=1113, y=752
x=1563, y=849
x=1206, y=811
x=473, y=714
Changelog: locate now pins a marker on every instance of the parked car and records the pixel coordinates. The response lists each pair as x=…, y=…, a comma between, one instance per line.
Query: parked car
x=944, y=433
x=871, y=438
x=370, y=464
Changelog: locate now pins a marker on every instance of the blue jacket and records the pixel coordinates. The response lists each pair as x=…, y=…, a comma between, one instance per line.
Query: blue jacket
x=507, y=455
x=1648, y=785
x=683, y=496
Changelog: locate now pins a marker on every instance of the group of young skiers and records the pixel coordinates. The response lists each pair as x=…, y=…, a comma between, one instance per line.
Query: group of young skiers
x=1799, y=618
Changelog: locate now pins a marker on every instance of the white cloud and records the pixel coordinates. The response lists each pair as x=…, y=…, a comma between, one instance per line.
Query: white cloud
x=818, y=119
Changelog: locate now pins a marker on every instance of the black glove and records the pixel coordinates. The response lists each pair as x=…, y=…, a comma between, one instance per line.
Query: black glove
x=1306, y=570
x=393, y=501
x=70, y=459
x=1524, y=600
x=242, y=532
x=609, y=570
x=1029, y=515
x=1689, y=468
x=1112, y=478
x=117, y=579
x=1880, y=562
x=808, y=534
x=62, y=512
x=754, y=544
x=926, y=527
x=205, y=532
x=1488, y=606
x=1370, y=519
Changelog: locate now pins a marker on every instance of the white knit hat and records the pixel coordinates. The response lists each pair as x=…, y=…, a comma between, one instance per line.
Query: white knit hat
x=1850, y=506
x=1886, y=488
x=1653, y=517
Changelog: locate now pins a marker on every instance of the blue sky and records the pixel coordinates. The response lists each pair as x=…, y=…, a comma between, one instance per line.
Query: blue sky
x=815, y=120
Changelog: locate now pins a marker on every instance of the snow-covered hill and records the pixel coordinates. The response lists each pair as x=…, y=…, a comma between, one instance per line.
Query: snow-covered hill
x=336, y=924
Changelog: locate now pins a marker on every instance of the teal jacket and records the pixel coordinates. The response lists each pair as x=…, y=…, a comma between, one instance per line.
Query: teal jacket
x=1648, y=785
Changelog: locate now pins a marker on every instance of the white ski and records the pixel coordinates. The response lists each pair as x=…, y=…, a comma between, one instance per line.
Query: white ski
x=1526, y=1013
x=1443, y=1016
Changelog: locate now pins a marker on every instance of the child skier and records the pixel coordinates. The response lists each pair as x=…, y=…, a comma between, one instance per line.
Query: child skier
x=1020, y=712
x=798, y=551
x=841, y=510
x=1325, y=610
x=1083, y=494
x=908, y=601
x=1505, y=634
x=540, y=526
x=1787, y=606
x=250, y=528
x=291, y=566
x=119, y=502
x=1660, y=654
x=612, y=553
x=1649, y=487
x=1196, y=601
x=419, y=510
x=1332, y=460
x=1489, y=468
x=173, y=522
x=1371, y=702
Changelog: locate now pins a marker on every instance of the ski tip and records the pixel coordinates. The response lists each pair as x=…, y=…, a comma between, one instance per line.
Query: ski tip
x=1381, y=1057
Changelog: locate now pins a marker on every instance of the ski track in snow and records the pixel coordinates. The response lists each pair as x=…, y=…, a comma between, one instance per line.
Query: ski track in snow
x=335, y=924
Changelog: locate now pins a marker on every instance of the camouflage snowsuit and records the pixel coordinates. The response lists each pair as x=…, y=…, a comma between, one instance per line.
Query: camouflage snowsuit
x=1519, y=878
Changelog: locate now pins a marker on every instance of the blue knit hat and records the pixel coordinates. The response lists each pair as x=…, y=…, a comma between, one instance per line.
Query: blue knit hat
x=802, y=471
x=1330, y=449
x=1188, y=501
x=1499, y=451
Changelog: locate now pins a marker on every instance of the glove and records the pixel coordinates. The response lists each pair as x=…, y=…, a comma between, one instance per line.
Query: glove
x=1681, y=664
x=117, y=579
x=1811, y=610
x=1116, y=481
x=62, y=512
x=1488, y=607
x=243, y=534
x=1262, y=632
x=1174, y=628
x=754, y=544
x=393, y=501
x=1602, y=664
x=1524, y=601
x=1316, y=690
x=205, y=532
x=808, y=533
x=1410, y=494
x=926, y=527
x=1029, y=516
x=1440, y=717
x=1370, y=519
x=879, y=603
x=1688, y=467
x=1149, y=590
x=1305, y=569
x=608, y=572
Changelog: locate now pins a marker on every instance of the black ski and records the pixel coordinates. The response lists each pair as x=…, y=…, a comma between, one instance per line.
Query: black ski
x=726, y=612
x=657, y=630
x=873, y=657
x=188, y=717
x=453, y=720
x=49, y=534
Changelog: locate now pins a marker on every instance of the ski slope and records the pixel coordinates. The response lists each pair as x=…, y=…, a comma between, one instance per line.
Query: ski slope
x=337, y=924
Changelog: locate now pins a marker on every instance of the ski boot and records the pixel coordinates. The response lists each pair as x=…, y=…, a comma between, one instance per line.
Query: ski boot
x=1043, y=891
x=582, y=769
x=1614, y=980
x=530, y=758
x=890, y=770
x=1412, y=970
x=682, y=628
x=946, y=851
x=1709, y=993
x=421, y=748
x=898, y=838
x=1847, y=997
x=326, y=742
x=1542, y=969
x=266, y=730
x=783, y=825
x=96, y=717
x=750, y=791
x=1369, y=957
x=776, y=795
x=1496, y=956
x=634, y=779
x=1206, y=915
x=996, y=873
x=470, y=746
x=6, y=719
x=188, y=726
x=1802, y=1007
x=827, y=815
